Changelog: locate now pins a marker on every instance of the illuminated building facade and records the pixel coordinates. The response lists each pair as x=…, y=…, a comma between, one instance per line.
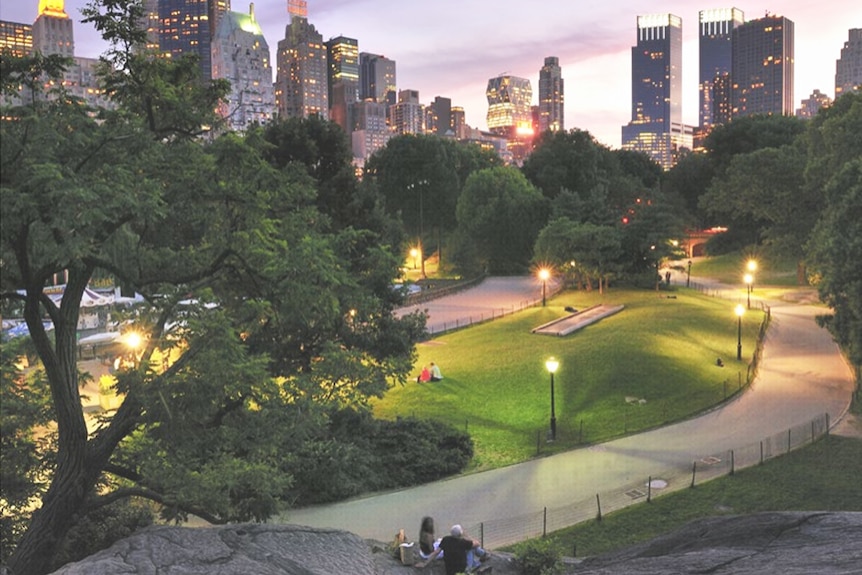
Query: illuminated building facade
x=370, y=131
x=438, y=117
x=53, y=33
x=240, y=55
x=16, y=38
x=186, y=27
x=510, y=114
x=812, y=105
x=848, y=68
x=407, y=115
x=52, y=30
x=459, y=122
x=343, y=79
x=301, y=87
x=551, y=96
x=377, y=78
x=656, y=126
x=762, y=72
x=715, y=50
x=150, y=24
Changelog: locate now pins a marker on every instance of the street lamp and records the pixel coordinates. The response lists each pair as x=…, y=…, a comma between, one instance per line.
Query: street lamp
x=752, y=267
x=420, y=186
x=740, y=311
x=551, y=365
x=688, y=275
x=748, y=279
x=544, y=274
x=414, y=253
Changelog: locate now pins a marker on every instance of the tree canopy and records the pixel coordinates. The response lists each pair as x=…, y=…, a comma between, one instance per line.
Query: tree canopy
x=260, y=319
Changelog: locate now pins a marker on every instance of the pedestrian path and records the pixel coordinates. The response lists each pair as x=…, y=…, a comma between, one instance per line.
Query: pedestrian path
x=802, y=375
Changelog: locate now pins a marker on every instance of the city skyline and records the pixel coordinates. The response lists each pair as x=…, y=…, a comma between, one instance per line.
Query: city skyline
x=454, y=57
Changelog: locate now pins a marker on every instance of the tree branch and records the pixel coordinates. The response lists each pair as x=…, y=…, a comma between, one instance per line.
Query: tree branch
x=145, y=493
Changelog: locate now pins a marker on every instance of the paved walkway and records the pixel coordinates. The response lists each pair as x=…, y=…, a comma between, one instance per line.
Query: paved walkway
x=494, y=297
x=802, y=375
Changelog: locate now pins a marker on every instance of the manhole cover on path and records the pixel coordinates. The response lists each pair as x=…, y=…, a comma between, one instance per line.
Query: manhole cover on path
x=657, y=484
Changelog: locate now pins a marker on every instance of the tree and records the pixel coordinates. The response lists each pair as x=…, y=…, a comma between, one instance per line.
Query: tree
x=499, y=216
x=749, y=134
x=421, y=177
x=322, y=149
x=571, y=161
x=259, y=320
x=835, y=247
x=767, y=187
x=584, y=250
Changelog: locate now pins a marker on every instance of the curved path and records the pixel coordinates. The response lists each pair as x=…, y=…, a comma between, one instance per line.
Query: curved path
x=802, y=375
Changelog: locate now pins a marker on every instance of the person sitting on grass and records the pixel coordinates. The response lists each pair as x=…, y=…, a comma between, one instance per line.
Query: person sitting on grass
x=435, y=372
x=424, y=376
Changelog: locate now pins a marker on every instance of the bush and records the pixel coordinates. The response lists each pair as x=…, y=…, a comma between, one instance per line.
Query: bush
x=538, y=557
x=103, y=527
x=361, y=454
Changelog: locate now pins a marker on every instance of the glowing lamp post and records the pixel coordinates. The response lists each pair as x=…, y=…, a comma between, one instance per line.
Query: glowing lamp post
x=740, y=311
x=752, y=267
x=551, y=365
x=748, y=279
x=544, y=274
x=414, y=253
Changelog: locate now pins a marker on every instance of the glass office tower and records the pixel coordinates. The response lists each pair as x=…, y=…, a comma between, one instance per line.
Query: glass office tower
x=551, y=96
x=848, y=68
x=715, y=48
x=185, y=27
x=762, y=74
x=656, y=126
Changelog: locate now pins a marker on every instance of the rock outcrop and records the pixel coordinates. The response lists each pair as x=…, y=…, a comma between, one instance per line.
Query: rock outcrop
x=787, y=543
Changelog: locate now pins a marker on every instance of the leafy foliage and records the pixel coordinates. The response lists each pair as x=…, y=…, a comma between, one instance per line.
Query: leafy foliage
x=501, y=214
x=359, y=454
x=539, y=557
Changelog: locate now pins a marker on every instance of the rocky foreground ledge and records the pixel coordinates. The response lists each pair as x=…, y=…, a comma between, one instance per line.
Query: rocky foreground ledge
x=787, y=543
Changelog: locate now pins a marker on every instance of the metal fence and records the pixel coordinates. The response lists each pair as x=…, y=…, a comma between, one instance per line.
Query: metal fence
x=500, y=532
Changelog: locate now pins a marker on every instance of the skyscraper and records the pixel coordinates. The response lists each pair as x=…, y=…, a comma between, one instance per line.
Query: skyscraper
x=848, y=68
x=240, y=54
x=715, y=48
x=53, y=30
x=509, y=112
x=407, y=116
x=656, y=126
x=812, y=105
x=343, y=78
x=370, y=131
x=186, y=27
x=439, y=118
x=762, y=74
x=551, y=96
x=16, y=38
x=377, y=78
x=301, y=77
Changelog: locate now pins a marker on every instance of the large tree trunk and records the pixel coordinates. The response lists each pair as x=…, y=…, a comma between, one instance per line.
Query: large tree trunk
x=76, y=470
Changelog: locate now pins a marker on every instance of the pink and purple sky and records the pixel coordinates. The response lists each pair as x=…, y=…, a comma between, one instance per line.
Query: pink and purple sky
x=451, y=48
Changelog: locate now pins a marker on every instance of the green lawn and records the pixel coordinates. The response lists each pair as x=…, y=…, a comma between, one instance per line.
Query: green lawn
x=820, y=477
x=730, y=269
x=657, y=349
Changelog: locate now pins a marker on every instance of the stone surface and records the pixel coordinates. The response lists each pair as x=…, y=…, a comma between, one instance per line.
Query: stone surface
x=786, y=543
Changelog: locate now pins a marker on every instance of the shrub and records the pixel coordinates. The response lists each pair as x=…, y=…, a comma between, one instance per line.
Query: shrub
x=538, y=557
